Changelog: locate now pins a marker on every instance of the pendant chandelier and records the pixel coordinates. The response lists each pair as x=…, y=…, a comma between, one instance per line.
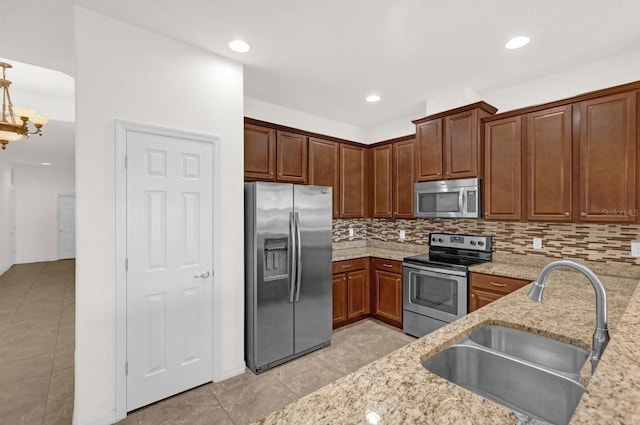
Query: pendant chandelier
x=15, y=121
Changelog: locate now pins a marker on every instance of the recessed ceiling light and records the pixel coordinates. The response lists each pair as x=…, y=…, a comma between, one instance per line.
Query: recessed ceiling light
x=45, y=163
x=517, y=42
x=373, y=98
x=239, y=46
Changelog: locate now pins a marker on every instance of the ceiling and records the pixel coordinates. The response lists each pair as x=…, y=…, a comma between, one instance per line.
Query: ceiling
x=325, y=57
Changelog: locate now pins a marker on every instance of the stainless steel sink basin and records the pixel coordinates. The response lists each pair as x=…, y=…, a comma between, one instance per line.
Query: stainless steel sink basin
x=546, y=352
x=533, y=375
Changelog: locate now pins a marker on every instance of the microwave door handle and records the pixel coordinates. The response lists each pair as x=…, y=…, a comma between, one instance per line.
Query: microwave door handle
x=461, y=202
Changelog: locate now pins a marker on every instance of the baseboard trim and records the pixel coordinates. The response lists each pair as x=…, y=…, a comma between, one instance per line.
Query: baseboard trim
x=230, y=373
x=107, y=419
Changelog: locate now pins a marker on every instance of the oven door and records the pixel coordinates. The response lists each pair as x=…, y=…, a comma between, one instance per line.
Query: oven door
x=436, y=293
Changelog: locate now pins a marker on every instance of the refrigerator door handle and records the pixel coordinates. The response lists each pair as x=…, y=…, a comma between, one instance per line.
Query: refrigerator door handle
x=298, y=257
x=292, y=245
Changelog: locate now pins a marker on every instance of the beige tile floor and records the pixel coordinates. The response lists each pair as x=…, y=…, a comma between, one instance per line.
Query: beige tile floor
x=36, y=361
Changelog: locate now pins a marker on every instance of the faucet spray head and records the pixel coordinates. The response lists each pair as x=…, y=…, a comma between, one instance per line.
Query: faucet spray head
x=536, y=291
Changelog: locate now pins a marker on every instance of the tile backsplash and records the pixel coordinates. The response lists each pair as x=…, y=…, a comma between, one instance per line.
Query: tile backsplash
x=592, y=242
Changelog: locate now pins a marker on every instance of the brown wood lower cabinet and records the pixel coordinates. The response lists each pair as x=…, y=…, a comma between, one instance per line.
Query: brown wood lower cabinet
x=485, y=288
x=387, y=291
x=358, y=293
x=351, y=291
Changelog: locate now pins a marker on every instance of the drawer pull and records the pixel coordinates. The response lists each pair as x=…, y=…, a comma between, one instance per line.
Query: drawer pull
x=346, y=266
x=499, y=285
x=387, y=266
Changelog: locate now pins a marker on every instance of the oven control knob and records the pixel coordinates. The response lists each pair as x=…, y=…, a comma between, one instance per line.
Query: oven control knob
x=433, y=239
x=440, y=240
x=480, y=243
x=472, y=242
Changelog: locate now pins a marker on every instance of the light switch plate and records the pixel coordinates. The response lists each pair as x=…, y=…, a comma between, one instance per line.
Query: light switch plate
x=351, y=232
x=635, y=249
x=537, y=243
x=402, y=234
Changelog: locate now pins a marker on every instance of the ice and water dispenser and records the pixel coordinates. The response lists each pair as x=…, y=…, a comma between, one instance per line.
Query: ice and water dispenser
x=275, y=258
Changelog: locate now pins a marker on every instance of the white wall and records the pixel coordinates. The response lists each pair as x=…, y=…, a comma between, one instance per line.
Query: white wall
x=5, y=185
x=123, y=72
x=269, y=112
x=37, y=190
x=598, y=75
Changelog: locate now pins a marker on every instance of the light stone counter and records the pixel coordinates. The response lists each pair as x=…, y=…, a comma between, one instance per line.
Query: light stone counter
x=386, y=250
x=398, y=390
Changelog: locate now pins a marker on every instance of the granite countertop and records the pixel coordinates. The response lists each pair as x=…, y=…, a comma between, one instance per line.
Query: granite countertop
x=396, y=389
x=386, y=250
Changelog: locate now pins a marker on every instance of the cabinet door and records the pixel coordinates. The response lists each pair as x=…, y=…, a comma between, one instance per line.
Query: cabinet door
x=339, y=298
x=461, y=145
x=293, y=159
x=403, y=178
x=352, y=181
x=358, y=298
x=388, y=295
x=480, y=298
x=259, y=153
x=502, y=185
x=429, y=150
x=382, y=181
x=324, y=168
x=608, y=158
x=549, y=165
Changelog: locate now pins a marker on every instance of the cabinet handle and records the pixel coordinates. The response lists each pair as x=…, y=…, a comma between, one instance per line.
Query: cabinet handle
x=344, y=278
x=473, y=295
x=499, y=285
x=271, y=173
x=346, y=266
x=583, y=214
x=566, y=214
x=387, y=266
x=398, y=280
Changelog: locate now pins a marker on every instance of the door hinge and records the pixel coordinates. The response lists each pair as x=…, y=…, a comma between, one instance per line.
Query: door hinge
x=126, y=368
x=126, y=264
x=126, y=161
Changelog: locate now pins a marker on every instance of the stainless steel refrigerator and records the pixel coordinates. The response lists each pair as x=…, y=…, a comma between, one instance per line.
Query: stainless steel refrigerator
x=288, y=290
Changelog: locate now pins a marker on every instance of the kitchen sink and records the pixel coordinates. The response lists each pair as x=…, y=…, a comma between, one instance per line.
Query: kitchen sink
x=540, y=350
x=499, y=363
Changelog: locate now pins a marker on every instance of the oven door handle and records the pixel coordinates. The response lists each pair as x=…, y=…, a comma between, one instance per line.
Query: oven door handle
x=439, y=272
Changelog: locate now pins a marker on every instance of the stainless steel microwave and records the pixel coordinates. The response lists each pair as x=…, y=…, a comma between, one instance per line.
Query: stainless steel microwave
x=460, y=198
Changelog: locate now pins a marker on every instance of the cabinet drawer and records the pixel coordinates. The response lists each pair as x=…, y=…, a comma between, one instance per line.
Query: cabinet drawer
x=504, y=285
x=349, y=265
x=387, y=265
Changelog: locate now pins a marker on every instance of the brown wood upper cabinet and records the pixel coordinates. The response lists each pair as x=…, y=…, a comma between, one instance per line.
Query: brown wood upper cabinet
x=324, y=168
x=502, y=176
x=608, y=180
x=353, y=184
x=449, y=145
x=382, y=170
x=549, y=164
x=403, y=178
x=292, y=157
x=259, y=153
x=273, y=155
x=393, y=177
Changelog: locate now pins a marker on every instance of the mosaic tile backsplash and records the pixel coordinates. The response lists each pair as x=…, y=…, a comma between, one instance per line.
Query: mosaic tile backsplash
x=592, y=242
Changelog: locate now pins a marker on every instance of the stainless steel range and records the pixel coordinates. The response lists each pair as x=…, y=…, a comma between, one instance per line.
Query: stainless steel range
x=436, y=284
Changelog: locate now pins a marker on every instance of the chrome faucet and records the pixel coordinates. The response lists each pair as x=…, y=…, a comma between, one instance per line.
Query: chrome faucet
x=601, y=335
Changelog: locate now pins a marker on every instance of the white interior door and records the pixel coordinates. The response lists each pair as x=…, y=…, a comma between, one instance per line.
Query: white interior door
x=66, y=226
x=170, y=256
x=12, y=228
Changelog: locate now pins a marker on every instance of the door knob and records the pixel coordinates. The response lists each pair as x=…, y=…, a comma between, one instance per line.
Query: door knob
x=202, y=275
